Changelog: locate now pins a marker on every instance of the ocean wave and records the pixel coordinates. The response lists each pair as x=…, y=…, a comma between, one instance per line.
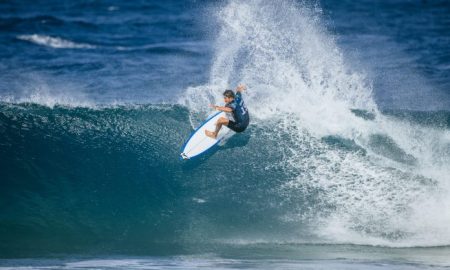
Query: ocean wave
x=47, y=20
x=186, y=48
x=88, y=174
x=45, y=96
x=310, y=169
x=375, y=172
x=54, y=42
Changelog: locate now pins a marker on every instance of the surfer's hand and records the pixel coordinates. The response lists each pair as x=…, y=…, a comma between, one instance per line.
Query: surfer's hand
x=213, y=106
x=241, y=87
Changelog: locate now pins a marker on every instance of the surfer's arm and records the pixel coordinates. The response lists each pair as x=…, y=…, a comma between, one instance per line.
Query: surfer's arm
x=221, y=108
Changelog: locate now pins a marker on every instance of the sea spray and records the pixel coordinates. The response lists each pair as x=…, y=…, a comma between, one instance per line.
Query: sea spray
x=299, y=77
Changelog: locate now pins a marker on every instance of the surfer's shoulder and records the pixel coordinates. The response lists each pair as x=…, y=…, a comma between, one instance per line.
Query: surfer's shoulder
x=232, y=104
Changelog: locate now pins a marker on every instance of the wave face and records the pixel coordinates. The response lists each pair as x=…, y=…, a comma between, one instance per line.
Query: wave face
x=320, y=163
x=110, y=180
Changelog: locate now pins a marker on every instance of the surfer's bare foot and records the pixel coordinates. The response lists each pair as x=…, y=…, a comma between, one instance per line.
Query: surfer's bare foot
x=210, y=134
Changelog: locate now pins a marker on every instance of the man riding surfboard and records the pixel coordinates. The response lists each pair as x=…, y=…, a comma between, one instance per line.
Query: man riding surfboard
x=235, y=105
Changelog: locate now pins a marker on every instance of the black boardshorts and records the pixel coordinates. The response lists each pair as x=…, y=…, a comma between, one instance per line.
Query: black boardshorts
x=237, y=127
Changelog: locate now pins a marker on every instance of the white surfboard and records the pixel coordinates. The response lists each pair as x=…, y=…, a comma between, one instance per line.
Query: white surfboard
x=199, y=143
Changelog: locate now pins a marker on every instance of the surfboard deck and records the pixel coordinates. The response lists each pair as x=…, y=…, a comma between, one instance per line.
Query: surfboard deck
x=198, y=143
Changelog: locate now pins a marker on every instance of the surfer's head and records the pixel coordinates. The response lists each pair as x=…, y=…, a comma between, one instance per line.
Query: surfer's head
x=228, y=95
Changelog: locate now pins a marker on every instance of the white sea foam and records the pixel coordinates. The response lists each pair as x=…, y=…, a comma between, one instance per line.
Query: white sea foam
x=297, y=75
x=39, y=90
x=54, y=42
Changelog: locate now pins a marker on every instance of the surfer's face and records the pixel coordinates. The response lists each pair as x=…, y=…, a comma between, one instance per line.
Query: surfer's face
x=228, y=99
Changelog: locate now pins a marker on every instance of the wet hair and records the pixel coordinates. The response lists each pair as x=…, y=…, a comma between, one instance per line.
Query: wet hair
x=228, y=93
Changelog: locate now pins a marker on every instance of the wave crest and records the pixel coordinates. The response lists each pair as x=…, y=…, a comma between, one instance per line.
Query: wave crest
x=54, y=42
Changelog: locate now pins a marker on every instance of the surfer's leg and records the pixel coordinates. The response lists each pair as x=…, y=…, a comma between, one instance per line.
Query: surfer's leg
x=222, y=121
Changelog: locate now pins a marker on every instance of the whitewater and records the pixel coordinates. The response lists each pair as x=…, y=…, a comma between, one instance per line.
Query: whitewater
x=393, y=192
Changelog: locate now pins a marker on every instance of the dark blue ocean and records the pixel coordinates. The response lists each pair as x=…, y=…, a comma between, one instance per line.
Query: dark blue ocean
x=345, y=164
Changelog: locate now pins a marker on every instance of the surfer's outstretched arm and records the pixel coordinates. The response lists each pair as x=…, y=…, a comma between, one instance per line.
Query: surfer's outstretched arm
x=221, y=108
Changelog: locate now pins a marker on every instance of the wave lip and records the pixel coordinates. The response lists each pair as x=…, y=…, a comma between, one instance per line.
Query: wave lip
x=54, y=42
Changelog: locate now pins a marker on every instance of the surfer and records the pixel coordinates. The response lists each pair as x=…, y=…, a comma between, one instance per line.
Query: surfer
x=234, y=104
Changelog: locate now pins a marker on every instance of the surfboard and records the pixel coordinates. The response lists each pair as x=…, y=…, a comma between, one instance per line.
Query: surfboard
x=198, y=143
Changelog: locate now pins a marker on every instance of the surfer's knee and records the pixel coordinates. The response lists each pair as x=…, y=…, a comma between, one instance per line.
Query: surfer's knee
x=222, y=120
